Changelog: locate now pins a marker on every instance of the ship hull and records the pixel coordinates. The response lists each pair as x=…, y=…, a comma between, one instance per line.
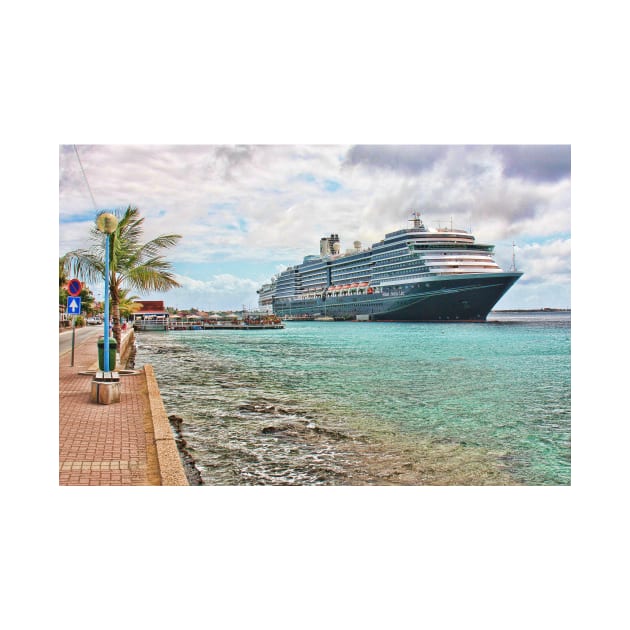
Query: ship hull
x=467, y=297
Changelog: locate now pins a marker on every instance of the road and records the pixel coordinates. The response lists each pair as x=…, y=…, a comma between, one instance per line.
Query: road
x=82, y=335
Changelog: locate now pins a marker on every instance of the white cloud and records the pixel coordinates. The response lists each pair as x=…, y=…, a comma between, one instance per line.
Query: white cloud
x=220, y=292
x=272, y=203
x=546, y=263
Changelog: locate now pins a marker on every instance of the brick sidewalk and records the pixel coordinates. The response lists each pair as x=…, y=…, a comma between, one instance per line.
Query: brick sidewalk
x=104, y=445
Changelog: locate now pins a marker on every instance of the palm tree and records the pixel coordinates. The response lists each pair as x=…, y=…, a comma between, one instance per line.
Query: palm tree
x=128, y=304
x=132, y=265
x=63, y=277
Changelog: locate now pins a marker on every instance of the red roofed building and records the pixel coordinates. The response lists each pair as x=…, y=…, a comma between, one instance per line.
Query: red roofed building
x=149, y=306
x=152, y=315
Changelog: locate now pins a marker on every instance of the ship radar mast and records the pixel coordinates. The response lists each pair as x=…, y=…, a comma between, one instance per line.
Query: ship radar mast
x=417, y=221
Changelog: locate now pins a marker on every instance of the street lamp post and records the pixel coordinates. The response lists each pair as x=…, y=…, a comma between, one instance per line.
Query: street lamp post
x=106, y=223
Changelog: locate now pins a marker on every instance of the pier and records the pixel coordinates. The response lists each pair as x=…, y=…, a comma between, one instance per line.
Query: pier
x=267, y=322
x=177, y=325
x=151, y=315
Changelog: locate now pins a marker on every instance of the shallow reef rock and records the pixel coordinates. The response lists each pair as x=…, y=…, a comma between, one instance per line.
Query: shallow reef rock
x=190, y=467
x=303, y=428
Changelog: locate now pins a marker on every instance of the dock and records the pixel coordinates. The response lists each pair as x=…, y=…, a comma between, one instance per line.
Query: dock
x=195, y=324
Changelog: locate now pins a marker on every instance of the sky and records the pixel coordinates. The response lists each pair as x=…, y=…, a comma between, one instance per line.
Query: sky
x=247, y=211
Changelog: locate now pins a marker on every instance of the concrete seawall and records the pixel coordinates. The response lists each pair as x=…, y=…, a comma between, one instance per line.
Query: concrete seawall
x=171, y=467
x=127, y=342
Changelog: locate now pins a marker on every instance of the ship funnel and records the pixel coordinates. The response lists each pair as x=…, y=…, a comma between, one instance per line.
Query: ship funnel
x=327, y=244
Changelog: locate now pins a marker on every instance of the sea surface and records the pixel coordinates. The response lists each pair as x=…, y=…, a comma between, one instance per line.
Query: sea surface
x=371, y=403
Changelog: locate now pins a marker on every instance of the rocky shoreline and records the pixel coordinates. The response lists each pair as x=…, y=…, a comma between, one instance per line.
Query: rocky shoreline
x=190, y=467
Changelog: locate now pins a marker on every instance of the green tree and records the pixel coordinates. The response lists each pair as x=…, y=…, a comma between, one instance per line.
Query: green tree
x=132, y=264
x=128, y=304
x=87, y=297
x=63, y=278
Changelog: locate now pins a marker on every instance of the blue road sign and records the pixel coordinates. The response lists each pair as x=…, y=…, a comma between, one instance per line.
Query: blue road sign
x=74, y=306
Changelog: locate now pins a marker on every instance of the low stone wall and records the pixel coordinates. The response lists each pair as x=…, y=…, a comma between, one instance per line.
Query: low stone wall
x=127, y=341
x=171, y=468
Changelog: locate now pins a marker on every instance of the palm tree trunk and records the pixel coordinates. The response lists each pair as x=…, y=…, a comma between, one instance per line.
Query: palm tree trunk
x=117, y=327
x=115, y=295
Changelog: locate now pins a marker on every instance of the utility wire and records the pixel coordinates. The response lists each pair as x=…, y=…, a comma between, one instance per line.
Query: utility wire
x=85, y=177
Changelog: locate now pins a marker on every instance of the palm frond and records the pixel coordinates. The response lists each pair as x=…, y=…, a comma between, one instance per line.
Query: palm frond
x=85, y=264
x=152, y=247
x=153, y=275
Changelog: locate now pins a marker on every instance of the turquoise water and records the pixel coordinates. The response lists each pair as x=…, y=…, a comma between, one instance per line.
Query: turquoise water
x=373, y=403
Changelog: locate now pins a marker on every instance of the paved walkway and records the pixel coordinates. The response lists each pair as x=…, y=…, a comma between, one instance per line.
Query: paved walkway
x=107, y=445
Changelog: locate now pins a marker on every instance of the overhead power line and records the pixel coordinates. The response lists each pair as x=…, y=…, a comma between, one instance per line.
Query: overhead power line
x=85, y=177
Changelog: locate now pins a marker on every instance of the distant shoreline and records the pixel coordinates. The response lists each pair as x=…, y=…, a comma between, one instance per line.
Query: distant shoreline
x=532, y=310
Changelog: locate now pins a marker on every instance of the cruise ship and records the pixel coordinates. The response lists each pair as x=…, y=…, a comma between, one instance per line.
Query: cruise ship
x=413, y=274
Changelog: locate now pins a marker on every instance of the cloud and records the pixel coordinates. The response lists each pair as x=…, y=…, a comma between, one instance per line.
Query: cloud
x=218, y=284
x=403, y=158
x=546, y=263
x=539, y=163
x=219, y=292
x=270, y=204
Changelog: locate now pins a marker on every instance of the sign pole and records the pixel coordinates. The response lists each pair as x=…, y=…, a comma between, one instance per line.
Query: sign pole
x=73, y=308
x=72, y=355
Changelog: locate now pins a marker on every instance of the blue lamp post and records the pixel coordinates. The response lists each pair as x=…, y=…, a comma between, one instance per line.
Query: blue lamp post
x=106, y=223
